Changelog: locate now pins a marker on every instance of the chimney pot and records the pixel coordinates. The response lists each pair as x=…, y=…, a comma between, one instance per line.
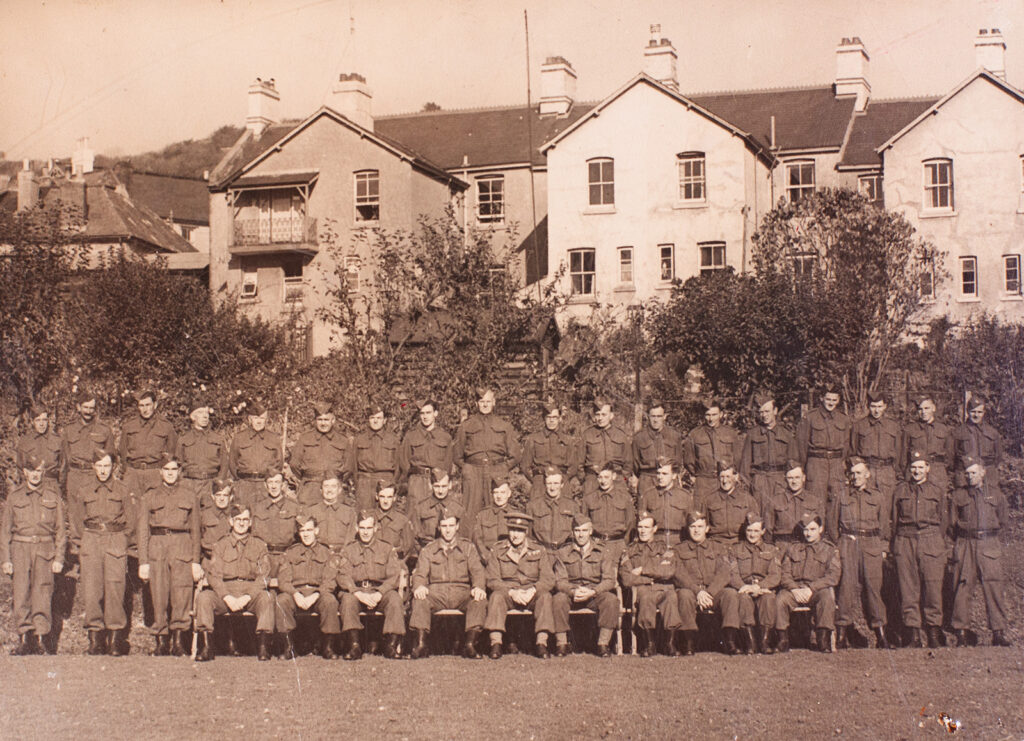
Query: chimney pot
x=352, y=98
x=990, y=52
x=852, y=72
x=264, y=102
x=660, y=59
x=557, y=86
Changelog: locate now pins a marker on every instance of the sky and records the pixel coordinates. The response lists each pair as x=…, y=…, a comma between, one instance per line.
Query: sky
x=136, y=75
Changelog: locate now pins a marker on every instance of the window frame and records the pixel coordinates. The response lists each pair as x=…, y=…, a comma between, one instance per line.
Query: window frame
x=691, y=180
x=1012, y=287
x=605, y=182
x=666, y=249
x=711, y=245
x=292, y=286
x=355, y=284
x=801, y=187
x=874, y=182
x=368, y=200
x=491, y=201
x=928, y=296
x=250, y=277
x=932, y=189
x=578, y=275
x=971, y=260
x=626, y=255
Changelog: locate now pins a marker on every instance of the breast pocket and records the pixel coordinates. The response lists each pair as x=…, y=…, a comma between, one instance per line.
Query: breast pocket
x=48, y=512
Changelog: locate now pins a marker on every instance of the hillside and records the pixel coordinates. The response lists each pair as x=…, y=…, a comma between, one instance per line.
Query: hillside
x=189, y=158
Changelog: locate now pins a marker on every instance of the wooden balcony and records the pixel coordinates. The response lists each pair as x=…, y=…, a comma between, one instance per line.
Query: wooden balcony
x=266, y=235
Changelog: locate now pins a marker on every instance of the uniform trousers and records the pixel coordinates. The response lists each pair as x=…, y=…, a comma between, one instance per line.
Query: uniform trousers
x=326, y=605
x=209, y=605
x=170, y=581
x=726, y=602
x=500, y=603
x=650, y=598
x=103, y=558
x=822, y=604
x=920, y=566
x=390, y=606
x=861, y=557
x=32, y=585
x=447, y=597
x=605, y=604
x=977, y=560
x=761, y=607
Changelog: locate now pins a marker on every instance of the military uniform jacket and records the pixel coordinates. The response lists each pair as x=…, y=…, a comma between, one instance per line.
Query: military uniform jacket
x=726, y=511
x=175, y=508
x=375, y=452
x=600, y=445
x=102, y=505
x=47, y=447
x=252, y=453
x=486, y=439
x=701, y=566
x=511, y=568
x=934, y=440
x=395, y=530
x=144, y=441
x=214, y=524
x=856, y=512
x=919, y=506
x=822, y=432
x=489, y=527
x=549, y=448
x=759, y=564
x=373, y=567
x=649, y=445
x=315, y=454
x=427, y=513
x=591, y=567
x=978, y=508
x=811, y=565
x=765, y=449
x=274, y=522
x=612, y=511
x=784, y=508
x=79, y=439
x=203, y=454
x=234, y=559
x=337, y=523
x=981, y=441
x=307, y=566
x=423, y=449
x=706, y=445
x=457, y=564
x=33, y=515
x=657, y=562
x=877, y=440
x=669, y=507
x=552, y=520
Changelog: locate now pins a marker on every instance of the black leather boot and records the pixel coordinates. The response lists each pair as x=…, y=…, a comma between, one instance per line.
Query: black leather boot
x=914, y=638
x=781, y=640
x=420, y=650
x=162, y=645
x=232, y=647
x=495, y=652
x=327, y=646
x=689, y=642
x=934, y=636
x=469, y=651
x=178, y=643
x=825, y=640
x=119, y=642
x=880, y=640
x=289, y=646
x=764, y=637
x=729, y=641
x=673, y=649
x=96, y=644
x=751, y=648
x=999, y=639
x=648, y=649
x=24, y=648
x=263, y=646
x=206, y=652
x=355, y=647
x=842, y=641
x=391, y=645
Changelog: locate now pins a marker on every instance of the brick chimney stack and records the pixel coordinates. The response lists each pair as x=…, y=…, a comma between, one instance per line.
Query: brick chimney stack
x=660, y=59
x=557, y=86
x=852, y=72
x=990, y=51
x=264, y=102
x=352, y=98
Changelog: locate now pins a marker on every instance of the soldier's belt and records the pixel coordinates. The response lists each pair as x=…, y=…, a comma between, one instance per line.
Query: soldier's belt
x=32, y=538
x=166, y=531
x=386, y=472
x=874, y=533
x=484, y=459
x=976, y=534
x=648, y=469
x=826, y=453
x=876, y=461
x=368, y=583
x=250, y=476
x=276, y=548
x=99, y=526
x=465, y=584
x=770, y=468
x=142, y=465
x=912, y=531
x=419, y=470
x=200, y=477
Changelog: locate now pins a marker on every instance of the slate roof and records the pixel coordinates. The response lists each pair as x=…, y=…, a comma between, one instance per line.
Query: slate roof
x=246, y=149
x=882, y=119
x=186, y=199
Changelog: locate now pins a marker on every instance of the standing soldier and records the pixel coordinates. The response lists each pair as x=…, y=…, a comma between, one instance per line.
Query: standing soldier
x=931, y=437
x=215, y=520
x=610, y=508
x=647, y=567
x=43, y=442
x=486, y=446
x=668, y=502
x=490, y=525
x=254, y=450
x=552, y=516
x=765, y=450
x=810, y=573
x=79, y=440
x=393, y=527
x=322, y=450
x=726, y=507
x=822, y=444
x=448, y=575
x=979, y=513
x=101, y=516
x=858, y=521
x=274, y=519
x=920, y=516
x=169, y=554
x=202, y=453
x=548, y=447
x=32, y=541
x=373, y=458
x=978, y=439
x=657, y=441
x=706, y=445
x=876, y=439
x=368, y=574
x=603, y=443
x=306, y=580
x=428, y=513
x=757, y=575
x=425, y=446
x=336, y=521
x=145, y=437
x=786, y=505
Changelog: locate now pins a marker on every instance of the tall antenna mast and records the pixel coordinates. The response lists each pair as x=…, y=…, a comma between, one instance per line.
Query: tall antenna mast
x=534, y=256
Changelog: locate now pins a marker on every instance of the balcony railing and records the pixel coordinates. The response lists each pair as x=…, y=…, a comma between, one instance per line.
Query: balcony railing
x=282, y=230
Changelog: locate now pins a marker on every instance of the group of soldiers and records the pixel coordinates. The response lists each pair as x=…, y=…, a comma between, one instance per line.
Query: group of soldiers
x=747, y=528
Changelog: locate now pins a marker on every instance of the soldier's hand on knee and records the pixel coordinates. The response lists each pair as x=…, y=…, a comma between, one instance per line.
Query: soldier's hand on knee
x=478, y=594
x=420, y=592
x=704, y=600
x=144, y=571
x=57, y=566
x=7, y=567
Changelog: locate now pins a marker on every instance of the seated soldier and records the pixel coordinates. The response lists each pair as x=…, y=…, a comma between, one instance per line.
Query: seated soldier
x=585, y=579
x=306, y=581
x=238, y=575
x=756, y=577
x=214, y=524
x=702, y=580
x=810, y=573
x=273, y=519
x=368, y=575
x=427, y=513
x=519, y=575
x=393, y=527
x=489, y=527
x=727, y=506
x=553, y=513
x=336, y=519
x=448, y=575
x=610, y=508
x=668, y=502
x=647, y=567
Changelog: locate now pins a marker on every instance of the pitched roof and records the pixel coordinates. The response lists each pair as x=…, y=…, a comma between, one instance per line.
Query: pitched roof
x=187, y=199
x=246, y=149
x=882, y=119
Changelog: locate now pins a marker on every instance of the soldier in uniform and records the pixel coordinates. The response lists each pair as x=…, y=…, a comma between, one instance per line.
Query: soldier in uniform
x=374, y=457
x=920, y=517
x=603, y=443
x=145, y=437
x=786, y=505
x=550, y=447
x=585, y=579
x=79, y=440
x=647, y=566
x=706, y=445
x=490, y=527
x=726, y=507
x=657, y=441
x=254, y=450
x=858, y=521
x=215, y=520
x=702, y=578
x=552, y=516
x=202, y=452
x=765, y=450
x=306, y=581
x=273, y=521
x=486, y=446
x=757, y=575
x=822, y=444
x=336, y=521
x=610, y=508
x=169, y=554
x=448, y=575
x=239, y=574
x=931, y=437
x=427, y=515
x=32, y=541
x=323, y=450
x=810, y=573
x=668, y=502
x=977, y=439
x=368, y=575
x=876, y=438
x=520, y=576
x=43, y=442
x=425, y=446
x=393, y=527
x=101, y=515
x=978, y=514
